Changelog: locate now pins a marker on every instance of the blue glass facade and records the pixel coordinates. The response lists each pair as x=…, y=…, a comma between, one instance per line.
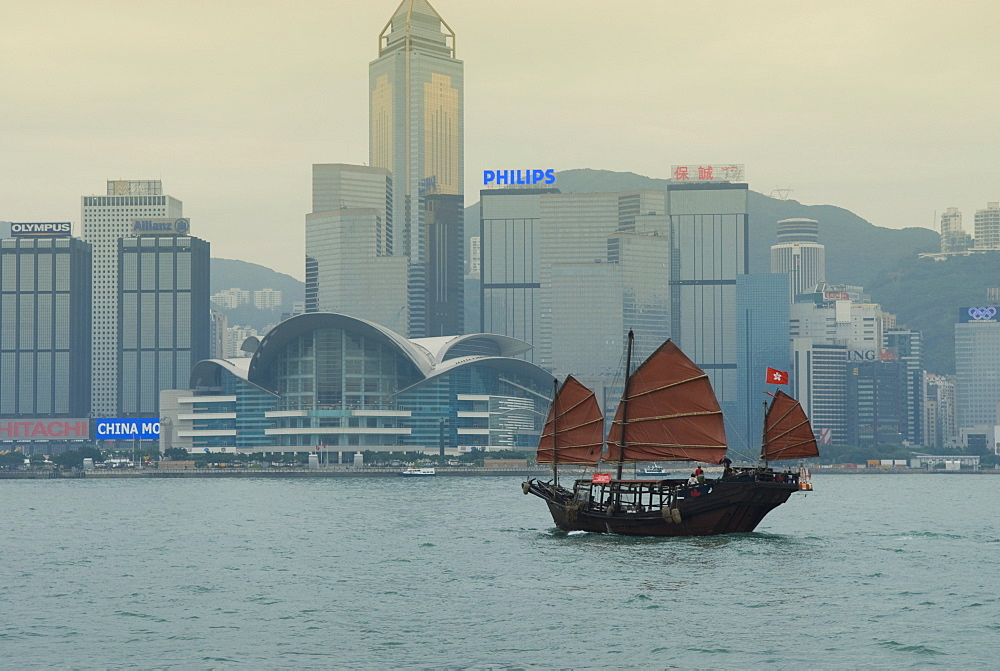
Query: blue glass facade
x=876, y=394
x=45, y=311
x=709, y=250
x=164, y=317
x=907, y=346
x=762, y=340
x=343, y=384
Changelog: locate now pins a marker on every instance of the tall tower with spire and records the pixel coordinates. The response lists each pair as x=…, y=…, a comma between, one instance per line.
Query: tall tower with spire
x=417, y=133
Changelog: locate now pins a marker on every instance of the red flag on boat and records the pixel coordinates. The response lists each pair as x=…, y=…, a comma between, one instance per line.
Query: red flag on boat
x=775, y=376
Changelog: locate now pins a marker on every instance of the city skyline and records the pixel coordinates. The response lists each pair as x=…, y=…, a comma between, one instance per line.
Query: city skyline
x=233, y=109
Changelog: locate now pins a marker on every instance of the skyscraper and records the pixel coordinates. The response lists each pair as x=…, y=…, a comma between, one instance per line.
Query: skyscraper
x=417, y=133
x=709, y=248
x=45, y=347
x=106, y=219
x=164, y=318
x=977, y=368
x=799, y=254
x=510, y=265
x=876, y=393
x=907, y=347
x=572, y=273
x=350, y=266
x=762, y=342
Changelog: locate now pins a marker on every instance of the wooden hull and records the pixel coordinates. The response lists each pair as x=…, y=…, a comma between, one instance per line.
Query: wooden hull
x=726, y=508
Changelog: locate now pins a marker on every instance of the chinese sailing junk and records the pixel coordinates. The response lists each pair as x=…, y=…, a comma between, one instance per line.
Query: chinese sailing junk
x=668, y=412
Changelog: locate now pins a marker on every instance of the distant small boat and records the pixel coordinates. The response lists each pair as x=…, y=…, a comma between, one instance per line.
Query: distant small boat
x=418, y=472
x=653, y=469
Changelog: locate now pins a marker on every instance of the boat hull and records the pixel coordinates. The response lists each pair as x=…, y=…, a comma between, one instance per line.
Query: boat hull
x=726, y=508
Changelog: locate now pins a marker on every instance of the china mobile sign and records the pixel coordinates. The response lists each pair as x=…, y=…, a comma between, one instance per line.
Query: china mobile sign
x=44, y=428
x=722, y=172
x=127, y=429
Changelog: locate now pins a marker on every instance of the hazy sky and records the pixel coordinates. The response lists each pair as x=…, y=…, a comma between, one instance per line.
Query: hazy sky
x=890, y=109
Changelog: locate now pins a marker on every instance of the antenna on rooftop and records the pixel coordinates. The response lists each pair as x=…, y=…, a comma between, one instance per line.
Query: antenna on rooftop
x=782, y=193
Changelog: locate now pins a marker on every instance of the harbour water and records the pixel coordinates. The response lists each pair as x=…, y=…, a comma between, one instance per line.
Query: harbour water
x=867, y=571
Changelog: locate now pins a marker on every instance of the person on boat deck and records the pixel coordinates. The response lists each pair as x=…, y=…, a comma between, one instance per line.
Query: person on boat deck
x=693, y=480
x=699, y=475
x=727, y=466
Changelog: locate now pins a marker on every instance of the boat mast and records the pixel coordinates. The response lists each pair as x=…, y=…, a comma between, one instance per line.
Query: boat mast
x=628, y=372
x=763, y=436
x=555, y=430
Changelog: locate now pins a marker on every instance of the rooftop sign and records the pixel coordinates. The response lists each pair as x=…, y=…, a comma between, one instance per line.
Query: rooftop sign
x=161, y=226
x=61, y=229
x=518, y=177
x=977, y=315
x=723, y=172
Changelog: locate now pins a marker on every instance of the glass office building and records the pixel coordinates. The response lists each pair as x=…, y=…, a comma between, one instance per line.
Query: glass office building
x=709, y=250
x=164, y=317
x=337, y=384
x=762, y=342
x=106, y=219
x=45, y=311
x=509, y=233
x=572, y=273
x=906, y=345
x=417, y=133
x=350, y=266
x=977, y=367
x=877, y=396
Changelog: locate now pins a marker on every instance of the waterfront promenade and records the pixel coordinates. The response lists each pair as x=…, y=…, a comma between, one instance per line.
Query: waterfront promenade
x=567, y=473
x=271, y=472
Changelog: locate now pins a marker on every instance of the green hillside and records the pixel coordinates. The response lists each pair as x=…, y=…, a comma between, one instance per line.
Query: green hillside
x=926, y=295
x=230, y=273
x=856, y=250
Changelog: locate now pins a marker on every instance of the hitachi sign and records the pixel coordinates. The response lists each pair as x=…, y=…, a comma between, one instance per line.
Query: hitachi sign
x=44, y=429
x=52, y=230
x=519, y=177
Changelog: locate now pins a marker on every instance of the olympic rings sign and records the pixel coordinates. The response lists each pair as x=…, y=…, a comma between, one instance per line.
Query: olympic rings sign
x=980, y=314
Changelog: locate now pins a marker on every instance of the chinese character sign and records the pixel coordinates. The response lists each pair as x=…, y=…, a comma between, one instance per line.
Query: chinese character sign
x=726, y=172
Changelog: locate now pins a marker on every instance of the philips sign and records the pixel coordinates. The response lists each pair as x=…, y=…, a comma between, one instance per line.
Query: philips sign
x=161, y=226
x=518, y=177
x=60, y=229
x=126, y=429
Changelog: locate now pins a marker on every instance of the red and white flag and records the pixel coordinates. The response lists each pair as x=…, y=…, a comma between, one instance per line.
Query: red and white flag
x=775, y=376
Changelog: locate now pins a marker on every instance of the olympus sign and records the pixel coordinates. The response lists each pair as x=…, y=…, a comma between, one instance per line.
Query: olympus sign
x=59, y=229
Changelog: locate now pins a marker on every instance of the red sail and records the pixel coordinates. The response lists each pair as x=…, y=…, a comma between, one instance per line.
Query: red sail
x=787, y=433
x=574, y=428
x=669, y=413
